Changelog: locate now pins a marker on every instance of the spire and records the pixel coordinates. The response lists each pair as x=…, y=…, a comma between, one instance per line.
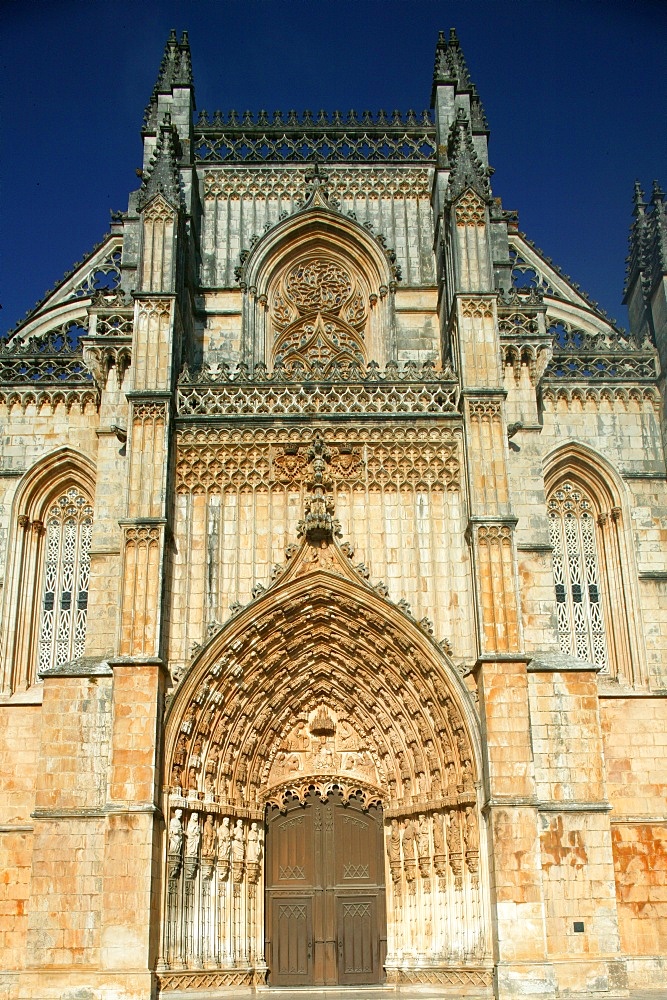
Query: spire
x=467, y=171
x=183, y=71
x=175, y=71
x=478, y=119
x=658, y=233
x=458, y=67
x=637, y=240
x=163, y=176
x=450, y=65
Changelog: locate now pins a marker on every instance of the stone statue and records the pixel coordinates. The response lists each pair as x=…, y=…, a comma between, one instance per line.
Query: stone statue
x=454, y=833
x=254, y=844
x=409, y=841
x=438, y=837
x=192, y=836
x=209, y=838
x=471, y=830
x=394, y=843
x=224, y=840
x=238, y=843
x=423, y=840
x=176, y=833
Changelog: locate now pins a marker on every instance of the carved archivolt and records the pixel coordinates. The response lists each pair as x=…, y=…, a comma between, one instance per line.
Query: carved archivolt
x=319, y=683
x=212, y=460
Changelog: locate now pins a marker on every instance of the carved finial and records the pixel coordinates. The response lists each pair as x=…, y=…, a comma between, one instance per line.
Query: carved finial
x=317, y=182
x=319, y=524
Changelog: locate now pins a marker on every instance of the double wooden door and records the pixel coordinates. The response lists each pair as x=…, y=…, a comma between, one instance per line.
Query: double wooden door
x=325, y=902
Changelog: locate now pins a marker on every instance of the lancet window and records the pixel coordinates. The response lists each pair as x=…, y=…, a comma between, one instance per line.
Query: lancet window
x=48, y=567
x=580, y=614
x=64, y=605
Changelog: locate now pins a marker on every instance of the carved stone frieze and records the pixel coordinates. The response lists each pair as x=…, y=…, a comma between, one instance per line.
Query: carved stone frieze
x=212, y=460
x=344, y=183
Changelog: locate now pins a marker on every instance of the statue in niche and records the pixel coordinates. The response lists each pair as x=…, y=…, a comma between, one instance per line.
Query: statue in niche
x=254, y=845
x=224, y=841
x=466, y=772
x=423, y=840
x=471, y=830
x=346, y=738
x=192, y=836
x=299, y=739
x=409, y=841
x=438, y=836
x=238, y=843
x=209, y=839
x=176, y=833
x=454, y=833
x=394, y=844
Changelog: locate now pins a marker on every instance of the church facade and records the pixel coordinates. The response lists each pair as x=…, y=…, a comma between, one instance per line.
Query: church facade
x=334, y=614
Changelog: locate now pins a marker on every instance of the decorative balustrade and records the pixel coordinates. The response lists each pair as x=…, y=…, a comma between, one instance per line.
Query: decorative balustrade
x=337, y=389
x=278, y=138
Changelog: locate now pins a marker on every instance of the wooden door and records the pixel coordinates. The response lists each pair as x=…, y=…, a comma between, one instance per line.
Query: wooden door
x=325, y=907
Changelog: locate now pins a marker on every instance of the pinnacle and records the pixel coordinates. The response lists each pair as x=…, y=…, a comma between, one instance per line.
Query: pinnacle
x=450, y=65
x=467, y=170
x=163, y=175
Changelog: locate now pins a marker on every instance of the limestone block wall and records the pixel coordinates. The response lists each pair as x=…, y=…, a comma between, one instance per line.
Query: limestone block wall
x=64, y=916
x=240, y=203
x=575, y=836
x=635, y=742
x=19, y=752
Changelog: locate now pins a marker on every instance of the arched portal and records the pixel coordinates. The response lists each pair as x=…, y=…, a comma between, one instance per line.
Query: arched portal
x=321, y=684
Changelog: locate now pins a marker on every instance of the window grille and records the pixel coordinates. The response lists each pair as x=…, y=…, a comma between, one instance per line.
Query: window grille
x=581, y=629
x=62, y=632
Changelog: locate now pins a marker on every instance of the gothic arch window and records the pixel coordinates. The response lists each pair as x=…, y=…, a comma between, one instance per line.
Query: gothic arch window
x=580, y=617
x=64, y=603
x=46, y=594
x=593, y=564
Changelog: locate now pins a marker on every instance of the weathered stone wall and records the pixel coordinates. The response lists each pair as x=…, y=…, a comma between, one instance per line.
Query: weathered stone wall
x=635, y=739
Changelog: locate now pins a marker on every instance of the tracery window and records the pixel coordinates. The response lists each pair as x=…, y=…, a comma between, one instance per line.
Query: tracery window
x=572, y=527
x=64, y=605
x=319, y=314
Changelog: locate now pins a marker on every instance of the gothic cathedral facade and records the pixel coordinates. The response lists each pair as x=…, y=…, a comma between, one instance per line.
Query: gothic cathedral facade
x=334, y=614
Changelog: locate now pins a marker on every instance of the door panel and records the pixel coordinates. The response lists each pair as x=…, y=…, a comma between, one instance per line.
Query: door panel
x=292, y=940
x=358, y=940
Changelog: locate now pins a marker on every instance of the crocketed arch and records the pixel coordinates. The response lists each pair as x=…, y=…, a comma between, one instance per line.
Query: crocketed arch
x=321, y=241
x=594, y=561
x=62, y=479
x=328, y=649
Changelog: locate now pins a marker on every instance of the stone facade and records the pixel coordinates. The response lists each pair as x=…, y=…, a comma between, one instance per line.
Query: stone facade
x=318, y=478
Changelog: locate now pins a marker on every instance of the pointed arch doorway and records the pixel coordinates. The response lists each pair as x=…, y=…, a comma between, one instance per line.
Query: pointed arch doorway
x=325, y=894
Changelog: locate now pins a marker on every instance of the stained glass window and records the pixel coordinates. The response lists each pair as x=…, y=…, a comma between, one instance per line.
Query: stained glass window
x=581, y=629
x=62, y=632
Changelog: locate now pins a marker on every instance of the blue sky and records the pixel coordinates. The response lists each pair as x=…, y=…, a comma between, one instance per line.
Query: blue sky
x=575, y=93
